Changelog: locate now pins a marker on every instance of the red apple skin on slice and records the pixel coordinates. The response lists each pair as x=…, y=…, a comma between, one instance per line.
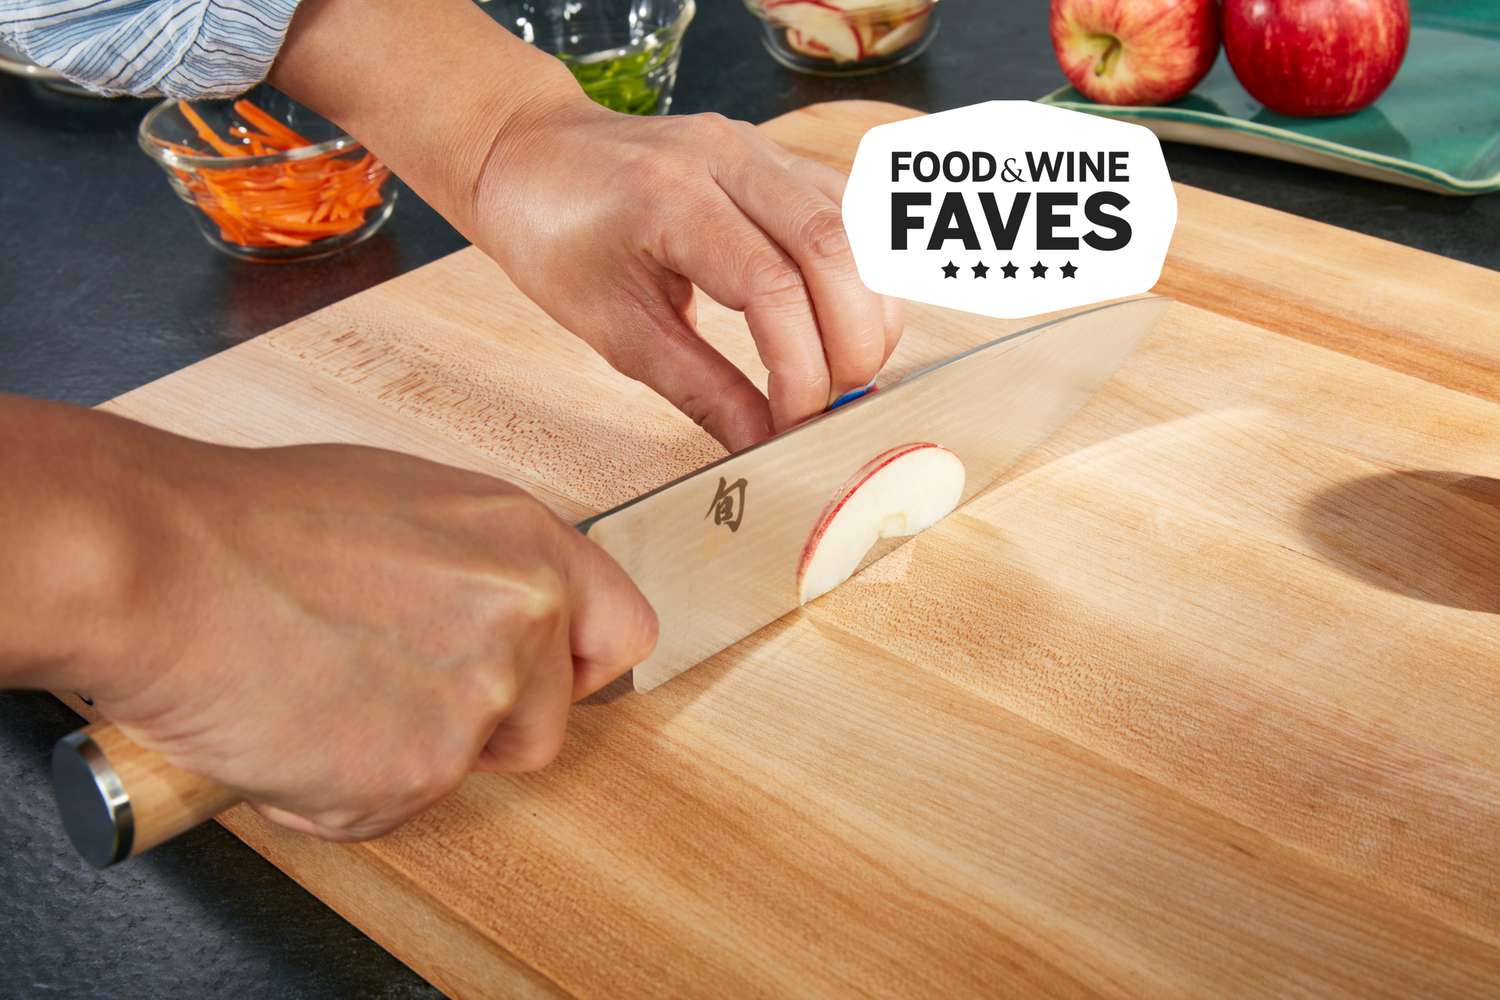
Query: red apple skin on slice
x=821, y=24
x=798, y=43
x=849, y=30
x=899, y=492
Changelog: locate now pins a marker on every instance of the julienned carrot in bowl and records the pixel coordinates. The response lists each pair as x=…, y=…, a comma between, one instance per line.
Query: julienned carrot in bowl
x=267, y=190
x=283, y=204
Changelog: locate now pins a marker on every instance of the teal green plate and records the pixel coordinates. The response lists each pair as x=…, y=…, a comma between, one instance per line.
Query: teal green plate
x=1436, y=128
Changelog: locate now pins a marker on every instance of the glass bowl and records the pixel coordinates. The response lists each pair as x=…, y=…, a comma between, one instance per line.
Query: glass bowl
x=845, y=37
x=624, y=53
x=296, y=202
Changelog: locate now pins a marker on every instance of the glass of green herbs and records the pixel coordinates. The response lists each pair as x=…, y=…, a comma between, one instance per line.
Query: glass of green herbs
x=623, y=53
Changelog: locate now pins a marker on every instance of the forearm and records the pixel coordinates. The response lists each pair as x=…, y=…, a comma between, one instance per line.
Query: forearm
x=79, y=510
x=428, y=87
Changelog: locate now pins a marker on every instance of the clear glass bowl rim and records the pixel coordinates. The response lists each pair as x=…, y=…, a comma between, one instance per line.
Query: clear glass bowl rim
x=675, y=28
x=758, y=8
x=341, y=143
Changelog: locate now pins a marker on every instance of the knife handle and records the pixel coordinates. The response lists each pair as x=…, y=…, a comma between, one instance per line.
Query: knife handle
x=118, y=800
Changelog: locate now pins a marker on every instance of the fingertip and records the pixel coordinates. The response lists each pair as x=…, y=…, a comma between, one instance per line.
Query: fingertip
x=865, y=340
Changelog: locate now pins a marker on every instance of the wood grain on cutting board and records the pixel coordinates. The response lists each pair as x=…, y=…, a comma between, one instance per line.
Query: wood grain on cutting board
x=1202, y=699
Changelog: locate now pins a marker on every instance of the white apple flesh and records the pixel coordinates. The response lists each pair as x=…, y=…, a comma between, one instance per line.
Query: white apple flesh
x=849, y=30
x=899, y=492
x=901, y=36
x=826, y=28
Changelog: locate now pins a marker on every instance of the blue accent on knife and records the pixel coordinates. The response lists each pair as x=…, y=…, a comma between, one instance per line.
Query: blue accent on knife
x=852, y=395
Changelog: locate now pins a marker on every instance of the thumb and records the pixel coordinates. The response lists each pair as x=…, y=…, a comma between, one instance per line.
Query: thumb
x=611, y=625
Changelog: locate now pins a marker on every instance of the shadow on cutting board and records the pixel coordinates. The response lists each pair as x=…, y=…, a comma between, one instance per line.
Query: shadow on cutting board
x=1430, y=535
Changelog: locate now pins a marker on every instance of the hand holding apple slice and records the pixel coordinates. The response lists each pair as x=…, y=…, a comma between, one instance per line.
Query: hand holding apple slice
x=897, y=493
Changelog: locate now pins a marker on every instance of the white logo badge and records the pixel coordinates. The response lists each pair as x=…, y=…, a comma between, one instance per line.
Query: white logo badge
x=1009, y=209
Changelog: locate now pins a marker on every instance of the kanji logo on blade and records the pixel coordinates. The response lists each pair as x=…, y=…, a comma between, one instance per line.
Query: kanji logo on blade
x=728, y=507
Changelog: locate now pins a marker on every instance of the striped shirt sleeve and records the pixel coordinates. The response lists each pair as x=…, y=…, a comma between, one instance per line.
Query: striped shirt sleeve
x=177, y=48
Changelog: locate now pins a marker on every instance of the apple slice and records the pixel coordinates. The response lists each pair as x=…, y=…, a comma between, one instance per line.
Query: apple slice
x=819, y=24
x=901, y=35
x=899, y=492
x=846, y=6
x=808, y=48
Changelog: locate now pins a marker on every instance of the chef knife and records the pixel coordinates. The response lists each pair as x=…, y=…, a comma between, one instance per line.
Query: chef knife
x=716, y=552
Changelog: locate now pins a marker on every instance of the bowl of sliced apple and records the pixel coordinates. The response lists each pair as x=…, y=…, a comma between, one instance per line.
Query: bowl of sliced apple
x=845, y=37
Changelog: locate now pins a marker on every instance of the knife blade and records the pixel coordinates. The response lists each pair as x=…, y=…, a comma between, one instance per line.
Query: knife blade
x=714, y=573
x=716, y=551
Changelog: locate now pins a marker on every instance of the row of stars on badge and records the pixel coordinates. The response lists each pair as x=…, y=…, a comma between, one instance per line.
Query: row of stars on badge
x=1009, y=270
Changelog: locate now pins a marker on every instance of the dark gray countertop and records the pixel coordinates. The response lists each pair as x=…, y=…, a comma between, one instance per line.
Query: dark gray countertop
x=105, y=284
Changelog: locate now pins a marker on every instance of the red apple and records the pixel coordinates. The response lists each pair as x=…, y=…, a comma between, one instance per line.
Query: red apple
x=1135, y=51
x=1316, y=57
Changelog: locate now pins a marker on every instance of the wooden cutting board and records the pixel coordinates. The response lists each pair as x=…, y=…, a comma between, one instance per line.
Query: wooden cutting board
x=1203, y=699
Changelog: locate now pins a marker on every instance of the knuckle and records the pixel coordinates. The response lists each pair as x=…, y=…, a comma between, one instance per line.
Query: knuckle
x=699, y=407
x=526, y=587
x=717, y=127
x=495, y=693
x=533, y=597
x=776, y=279
x=628, y=357
x=822, y=234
